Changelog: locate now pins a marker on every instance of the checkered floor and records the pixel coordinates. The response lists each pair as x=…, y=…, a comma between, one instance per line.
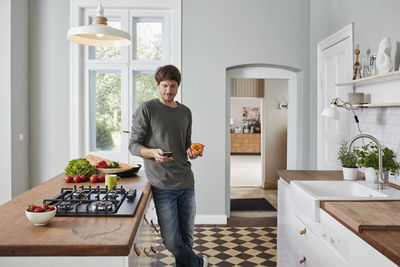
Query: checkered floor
x=228, y=246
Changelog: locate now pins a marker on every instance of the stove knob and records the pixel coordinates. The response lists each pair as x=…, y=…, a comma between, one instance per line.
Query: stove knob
x=131, y=195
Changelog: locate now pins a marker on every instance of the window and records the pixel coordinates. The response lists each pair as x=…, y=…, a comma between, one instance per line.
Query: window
x=108, y=83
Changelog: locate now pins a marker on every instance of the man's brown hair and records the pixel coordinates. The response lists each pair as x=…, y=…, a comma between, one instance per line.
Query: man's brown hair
x=168, y=72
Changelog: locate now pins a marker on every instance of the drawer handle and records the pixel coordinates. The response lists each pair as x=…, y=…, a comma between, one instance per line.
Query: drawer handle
x=145, y=219
x=154, y=227
x=302, y=232
x=303, y=260
x=145, y=252
x=137, y=250
x=153, y=250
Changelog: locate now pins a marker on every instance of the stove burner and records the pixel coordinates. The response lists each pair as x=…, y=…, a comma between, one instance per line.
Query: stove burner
x=78, y=194
x=64, y=207
x=101, y=205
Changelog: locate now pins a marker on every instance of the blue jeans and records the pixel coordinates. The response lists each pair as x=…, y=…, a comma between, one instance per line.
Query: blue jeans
x=176, y=210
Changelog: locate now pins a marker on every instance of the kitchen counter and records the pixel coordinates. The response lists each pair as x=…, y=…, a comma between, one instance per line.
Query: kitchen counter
x=386, y=242
x=68, y=236
x=290, y=175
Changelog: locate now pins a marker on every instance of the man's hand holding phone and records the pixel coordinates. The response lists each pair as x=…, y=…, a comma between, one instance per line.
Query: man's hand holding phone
x=162, y=156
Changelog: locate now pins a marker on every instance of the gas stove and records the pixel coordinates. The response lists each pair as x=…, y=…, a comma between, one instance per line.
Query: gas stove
x=95, y=202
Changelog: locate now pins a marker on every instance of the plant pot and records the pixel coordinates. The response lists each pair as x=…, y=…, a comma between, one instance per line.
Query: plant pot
x=371, y=175
x=350, y=173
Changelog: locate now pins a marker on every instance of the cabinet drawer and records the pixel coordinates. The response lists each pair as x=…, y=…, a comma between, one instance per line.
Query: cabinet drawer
x=316, y=249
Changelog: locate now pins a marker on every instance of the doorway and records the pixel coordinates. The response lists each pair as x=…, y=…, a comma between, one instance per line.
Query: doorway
x=293, y=78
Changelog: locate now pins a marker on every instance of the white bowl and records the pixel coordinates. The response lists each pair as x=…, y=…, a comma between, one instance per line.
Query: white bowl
x=40, y=218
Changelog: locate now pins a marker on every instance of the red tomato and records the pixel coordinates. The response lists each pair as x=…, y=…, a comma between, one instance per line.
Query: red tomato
x=39, y=209
x=50, y=208
x=83, y=178
x=68, y=179
x=45, y=207
x=77, y=179
x=101, y=178
x=94, y=178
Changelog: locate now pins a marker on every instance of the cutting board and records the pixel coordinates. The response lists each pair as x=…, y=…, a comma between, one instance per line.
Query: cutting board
x=366, y=215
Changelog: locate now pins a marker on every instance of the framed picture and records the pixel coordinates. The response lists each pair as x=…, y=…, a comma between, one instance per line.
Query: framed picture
x=251, y=115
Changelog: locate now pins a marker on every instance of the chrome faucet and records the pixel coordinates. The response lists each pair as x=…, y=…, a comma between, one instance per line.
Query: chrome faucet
x=381, y=181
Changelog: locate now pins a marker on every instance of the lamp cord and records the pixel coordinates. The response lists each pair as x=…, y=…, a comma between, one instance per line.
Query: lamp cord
x=355, y=116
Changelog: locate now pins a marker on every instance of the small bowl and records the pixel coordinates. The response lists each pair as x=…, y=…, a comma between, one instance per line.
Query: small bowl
x=40, y=218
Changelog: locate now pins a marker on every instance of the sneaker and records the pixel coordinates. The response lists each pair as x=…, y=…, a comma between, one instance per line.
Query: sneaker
x=205, y=261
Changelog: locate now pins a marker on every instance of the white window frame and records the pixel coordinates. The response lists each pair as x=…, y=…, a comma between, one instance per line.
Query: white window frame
x=78, y=64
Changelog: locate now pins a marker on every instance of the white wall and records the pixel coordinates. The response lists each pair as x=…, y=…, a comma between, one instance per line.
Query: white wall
x=49, y=88
x=373, y=20
x=237, y=105
x=224, y=33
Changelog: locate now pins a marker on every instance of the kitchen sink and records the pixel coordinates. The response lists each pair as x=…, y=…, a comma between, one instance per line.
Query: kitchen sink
x=306, y=195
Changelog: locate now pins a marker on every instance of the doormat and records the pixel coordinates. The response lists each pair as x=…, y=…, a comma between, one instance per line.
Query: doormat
x=250, y=204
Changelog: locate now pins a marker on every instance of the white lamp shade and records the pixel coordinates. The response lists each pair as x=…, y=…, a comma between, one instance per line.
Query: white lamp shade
x=99, y=35
x=331, y=112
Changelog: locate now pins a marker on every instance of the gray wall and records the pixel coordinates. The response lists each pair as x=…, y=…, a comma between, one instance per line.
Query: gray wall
x=373, y=19
x=49, y=88
x=14, y=108
x=5, y=95
x=224, y=33
x=19, y=96
x=215, y=35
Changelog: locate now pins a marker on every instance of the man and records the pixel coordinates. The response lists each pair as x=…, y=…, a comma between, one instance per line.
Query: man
x=164, y=125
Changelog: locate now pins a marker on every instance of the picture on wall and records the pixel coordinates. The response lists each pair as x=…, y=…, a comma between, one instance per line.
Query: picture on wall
x=251, y=117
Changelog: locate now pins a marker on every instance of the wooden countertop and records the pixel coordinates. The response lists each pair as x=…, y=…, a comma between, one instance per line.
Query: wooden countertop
x=68, y=236
x=290, y=175
x=386, y=242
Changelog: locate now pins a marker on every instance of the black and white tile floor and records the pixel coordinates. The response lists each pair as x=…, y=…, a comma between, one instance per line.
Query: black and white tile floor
x=228, y=246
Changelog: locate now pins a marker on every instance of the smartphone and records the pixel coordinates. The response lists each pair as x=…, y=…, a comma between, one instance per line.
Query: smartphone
x=168, y=154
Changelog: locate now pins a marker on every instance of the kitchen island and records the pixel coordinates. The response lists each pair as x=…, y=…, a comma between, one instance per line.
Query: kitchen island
x=77, y=241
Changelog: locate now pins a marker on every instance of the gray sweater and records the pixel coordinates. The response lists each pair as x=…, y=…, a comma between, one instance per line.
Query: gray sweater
x=156, y=125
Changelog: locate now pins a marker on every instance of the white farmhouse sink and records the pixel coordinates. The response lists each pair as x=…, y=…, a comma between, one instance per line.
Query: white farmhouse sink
x=306, y=195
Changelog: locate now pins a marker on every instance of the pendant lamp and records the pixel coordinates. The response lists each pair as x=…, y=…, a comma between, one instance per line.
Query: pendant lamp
x=99, y=33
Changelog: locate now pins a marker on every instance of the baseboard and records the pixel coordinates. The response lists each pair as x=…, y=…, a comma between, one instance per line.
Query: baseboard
x=211, y=219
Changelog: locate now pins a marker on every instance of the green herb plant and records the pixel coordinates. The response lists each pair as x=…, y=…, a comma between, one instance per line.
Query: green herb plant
x=348, y=159
x=368, y=156
x=80, y=167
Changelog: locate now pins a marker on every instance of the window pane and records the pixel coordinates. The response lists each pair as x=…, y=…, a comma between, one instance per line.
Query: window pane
x=146, y=88
x=105, y=109
x=113, y=53
x=148, y=43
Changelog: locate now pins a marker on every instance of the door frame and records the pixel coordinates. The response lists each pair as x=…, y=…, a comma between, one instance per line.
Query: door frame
x=339, y=36
x=295, y=118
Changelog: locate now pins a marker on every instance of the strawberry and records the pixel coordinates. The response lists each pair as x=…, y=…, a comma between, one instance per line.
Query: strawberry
x=39, y=209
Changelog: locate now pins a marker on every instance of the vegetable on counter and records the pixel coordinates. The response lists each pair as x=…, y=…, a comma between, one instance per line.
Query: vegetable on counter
x=103, y=164
x=80, y=167
x=197, y=148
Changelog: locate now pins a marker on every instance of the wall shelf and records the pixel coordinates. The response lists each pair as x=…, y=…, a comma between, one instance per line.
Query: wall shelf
x=376, y=105
x=395, y=75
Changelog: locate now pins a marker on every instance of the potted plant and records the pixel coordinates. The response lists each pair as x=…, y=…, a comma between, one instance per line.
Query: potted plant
x=368, y=158
x=349, y=162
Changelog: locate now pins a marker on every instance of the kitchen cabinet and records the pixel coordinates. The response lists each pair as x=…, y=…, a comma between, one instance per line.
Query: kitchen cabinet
x=246, y=143
x=327, y=243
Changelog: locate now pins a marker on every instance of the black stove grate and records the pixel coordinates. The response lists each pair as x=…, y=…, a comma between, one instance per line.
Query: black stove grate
x=95, y=202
